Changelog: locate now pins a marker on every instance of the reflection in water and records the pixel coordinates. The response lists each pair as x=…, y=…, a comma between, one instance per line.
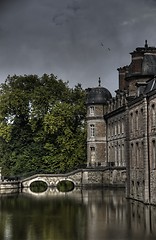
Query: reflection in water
x=77, y=215
x=142, y=219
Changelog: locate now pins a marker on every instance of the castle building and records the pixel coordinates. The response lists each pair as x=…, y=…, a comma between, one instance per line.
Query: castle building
x=121, y=130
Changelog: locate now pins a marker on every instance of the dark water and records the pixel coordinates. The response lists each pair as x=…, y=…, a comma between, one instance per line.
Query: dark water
x=78, y=215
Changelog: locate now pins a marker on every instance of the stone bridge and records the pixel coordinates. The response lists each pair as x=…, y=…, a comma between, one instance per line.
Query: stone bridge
x=100, y=177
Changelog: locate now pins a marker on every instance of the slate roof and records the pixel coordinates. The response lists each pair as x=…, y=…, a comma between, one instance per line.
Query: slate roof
x=149, y=64
x=98, y=95
x=151, y=86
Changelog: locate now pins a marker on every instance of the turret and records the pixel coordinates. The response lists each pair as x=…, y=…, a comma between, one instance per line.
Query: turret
x=96, y=127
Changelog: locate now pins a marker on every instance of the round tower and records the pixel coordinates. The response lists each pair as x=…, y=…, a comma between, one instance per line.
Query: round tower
x=96, y=126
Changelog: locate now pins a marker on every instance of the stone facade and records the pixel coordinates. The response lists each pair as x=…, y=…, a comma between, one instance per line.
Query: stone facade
x=125, y=129
x=84, y=178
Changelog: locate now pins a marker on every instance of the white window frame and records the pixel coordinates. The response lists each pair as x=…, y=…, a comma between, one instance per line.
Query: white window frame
x=92, y=130
x=91, y=110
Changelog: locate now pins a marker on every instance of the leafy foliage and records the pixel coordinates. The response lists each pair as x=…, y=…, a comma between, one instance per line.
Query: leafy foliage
x=42, y=125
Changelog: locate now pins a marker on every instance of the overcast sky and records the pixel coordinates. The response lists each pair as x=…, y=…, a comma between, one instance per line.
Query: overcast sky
x=77, y=40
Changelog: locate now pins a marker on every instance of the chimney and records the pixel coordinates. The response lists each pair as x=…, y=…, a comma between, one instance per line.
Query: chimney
x=122, y=74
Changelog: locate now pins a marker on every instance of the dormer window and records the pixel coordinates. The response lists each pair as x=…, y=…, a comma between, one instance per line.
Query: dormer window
x=140, y=87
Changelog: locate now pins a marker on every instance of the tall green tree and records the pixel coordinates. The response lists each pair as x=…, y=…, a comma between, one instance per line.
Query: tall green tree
x=42, y=125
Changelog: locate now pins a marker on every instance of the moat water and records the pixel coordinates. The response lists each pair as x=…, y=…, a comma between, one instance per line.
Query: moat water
x=78, y=215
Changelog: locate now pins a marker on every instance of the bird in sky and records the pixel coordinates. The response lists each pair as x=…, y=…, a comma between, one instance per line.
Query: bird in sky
x=103, y=46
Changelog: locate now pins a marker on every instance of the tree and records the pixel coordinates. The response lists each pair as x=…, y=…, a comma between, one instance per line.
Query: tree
x=67, y=131
x=42, y=125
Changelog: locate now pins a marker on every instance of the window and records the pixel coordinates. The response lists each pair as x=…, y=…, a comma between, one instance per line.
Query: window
x=137, y=188
x=92, y=155
x=141, y=121
x=123, y=155
x=122, y=126
x=92, y=149
x=112, y=129
x=137, y=155
x=115, y=128
x=119, y=126
x=137, y=120
x=119, y=155
x=91, y=111
x=153, y=116
x=131, y=122
x=109, y=153
x=132, y=156
x=113, y=154
x=132, y=187
x=109, y=130
x=153, y=155
x=116, y=156
x=142, y=155
x=92, y=130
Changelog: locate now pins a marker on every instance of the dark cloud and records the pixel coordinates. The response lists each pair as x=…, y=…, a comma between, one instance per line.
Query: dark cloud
x=64, y=37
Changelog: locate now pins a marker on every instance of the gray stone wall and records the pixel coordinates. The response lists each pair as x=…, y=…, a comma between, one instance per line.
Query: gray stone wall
x=83, y=178
x=142, y=149
x=138, y=151
x=96, y=138
x=152, y=147
x=116, y=139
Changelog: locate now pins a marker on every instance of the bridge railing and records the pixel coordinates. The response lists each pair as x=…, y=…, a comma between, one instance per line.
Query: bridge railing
x=89, y=169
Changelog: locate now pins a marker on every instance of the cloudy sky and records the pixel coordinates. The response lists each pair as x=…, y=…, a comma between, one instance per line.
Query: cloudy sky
x=77, y=40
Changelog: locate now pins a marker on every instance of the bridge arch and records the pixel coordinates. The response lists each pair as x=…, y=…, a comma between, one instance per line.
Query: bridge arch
x=66, y=179
x=37, y=180
x=68, y=185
